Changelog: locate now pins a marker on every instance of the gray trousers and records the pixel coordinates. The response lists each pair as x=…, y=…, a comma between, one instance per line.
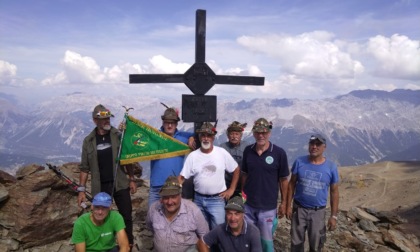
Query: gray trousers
x=312, y=221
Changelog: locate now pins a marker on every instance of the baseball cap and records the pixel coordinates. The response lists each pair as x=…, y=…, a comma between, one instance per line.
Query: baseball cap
x=102, y=199
x=318, y=137
x=236, y=203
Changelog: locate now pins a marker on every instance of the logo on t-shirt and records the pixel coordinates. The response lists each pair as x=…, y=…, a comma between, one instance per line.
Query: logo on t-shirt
x=103, y=146
x=312, y=183
x=269, y=160
x=106, y=234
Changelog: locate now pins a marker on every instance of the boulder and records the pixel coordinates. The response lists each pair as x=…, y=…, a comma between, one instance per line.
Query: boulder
x=39, y=211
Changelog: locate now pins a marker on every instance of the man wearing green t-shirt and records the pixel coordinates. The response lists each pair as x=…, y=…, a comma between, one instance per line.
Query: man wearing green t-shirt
x=99, y=229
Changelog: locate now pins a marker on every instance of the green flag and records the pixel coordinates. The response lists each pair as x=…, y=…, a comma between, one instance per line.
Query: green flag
x=143, y=142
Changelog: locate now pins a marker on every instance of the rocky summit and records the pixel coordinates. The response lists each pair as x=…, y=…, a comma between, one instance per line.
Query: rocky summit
x=38, y=208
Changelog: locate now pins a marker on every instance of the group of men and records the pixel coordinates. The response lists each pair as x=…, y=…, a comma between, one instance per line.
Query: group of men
x=235, y=201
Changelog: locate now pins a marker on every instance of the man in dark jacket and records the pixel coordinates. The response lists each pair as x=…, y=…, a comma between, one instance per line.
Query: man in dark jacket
x=99, y=155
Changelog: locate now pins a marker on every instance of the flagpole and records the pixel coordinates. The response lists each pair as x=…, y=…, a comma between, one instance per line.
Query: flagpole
x=117, y=162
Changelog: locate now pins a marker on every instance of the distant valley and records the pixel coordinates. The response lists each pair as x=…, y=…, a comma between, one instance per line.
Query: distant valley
x=361, y=127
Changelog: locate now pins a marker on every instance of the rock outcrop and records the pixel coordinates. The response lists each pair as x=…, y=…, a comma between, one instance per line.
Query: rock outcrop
x=37, y=211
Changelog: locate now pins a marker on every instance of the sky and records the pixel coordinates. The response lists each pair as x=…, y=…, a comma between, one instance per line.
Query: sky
x=304, y=49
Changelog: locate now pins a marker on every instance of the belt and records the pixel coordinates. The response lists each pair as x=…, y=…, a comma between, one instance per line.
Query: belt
x=309, y=208
x=207, y=195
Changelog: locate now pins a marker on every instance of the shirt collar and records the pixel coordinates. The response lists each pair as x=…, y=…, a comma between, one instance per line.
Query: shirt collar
x=270, y=148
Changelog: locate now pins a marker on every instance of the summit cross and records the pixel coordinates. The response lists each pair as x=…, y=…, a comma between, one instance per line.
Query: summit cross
x=199, y=78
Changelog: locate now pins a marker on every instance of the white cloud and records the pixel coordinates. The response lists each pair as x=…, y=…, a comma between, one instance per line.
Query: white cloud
x=59, y=78
x=280, y=87
x=78, y=69
x=412, y=86
x=308, y=55
x=81, y=69
x=251, y=70
x=396, y=57
x=254, y=71
x=160, y=64
x=121, y=73
x=7, y=72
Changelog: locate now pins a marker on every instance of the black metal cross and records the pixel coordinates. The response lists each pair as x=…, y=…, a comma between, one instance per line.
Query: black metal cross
x=200, y=78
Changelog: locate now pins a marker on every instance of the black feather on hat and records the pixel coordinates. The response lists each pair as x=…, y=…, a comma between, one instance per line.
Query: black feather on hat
x=170, y=113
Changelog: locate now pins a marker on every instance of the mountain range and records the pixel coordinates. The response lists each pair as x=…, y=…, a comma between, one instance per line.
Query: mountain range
x=361, y=127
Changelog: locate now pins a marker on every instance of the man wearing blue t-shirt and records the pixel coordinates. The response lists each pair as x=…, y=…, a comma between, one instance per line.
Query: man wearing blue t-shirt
x=312, y=175
x=161, y=169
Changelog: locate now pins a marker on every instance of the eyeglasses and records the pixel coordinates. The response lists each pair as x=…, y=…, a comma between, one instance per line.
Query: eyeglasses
x=261, y=133
x=104, y=113
x=169, y=123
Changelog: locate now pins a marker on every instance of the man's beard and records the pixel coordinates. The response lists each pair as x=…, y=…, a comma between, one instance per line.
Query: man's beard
x=106, y=127
x=205, y=146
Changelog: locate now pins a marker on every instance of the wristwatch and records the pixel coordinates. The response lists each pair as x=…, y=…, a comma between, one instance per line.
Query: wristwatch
x=81, y=189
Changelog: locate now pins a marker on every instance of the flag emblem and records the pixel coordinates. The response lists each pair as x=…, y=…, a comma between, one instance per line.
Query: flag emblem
x=142, y=142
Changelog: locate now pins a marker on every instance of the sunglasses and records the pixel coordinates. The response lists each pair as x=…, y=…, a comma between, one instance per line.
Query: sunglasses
x=104, y=113
x=317, y=143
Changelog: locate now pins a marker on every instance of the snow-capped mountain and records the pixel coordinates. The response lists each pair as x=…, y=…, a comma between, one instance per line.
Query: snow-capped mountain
x=361, y=127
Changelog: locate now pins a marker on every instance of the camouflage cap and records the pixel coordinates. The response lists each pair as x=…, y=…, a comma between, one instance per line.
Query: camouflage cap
x=207, y=128
x=262, y=125
x=101, y=112
x=236, y=126
x=171, y=187
x=171, y=114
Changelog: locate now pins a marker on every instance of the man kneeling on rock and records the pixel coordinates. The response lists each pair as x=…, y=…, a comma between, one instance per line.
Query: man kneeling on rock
x=236, y=235
x=99, y=229
x=176, y=223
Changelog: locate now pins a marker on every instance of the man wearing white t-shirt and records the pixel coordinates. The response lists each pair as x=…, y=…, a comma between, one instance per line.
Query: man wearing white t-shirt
x=208, y=165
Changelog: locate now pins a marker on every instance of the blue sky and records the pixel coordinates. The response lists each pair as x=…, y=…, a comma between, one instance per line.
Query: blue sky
x=304, y=49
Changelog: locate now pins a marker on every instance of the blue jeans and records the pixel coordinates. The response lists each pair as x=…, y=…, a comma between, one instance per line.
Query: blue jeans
x=153, y=195
x=213, y=209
